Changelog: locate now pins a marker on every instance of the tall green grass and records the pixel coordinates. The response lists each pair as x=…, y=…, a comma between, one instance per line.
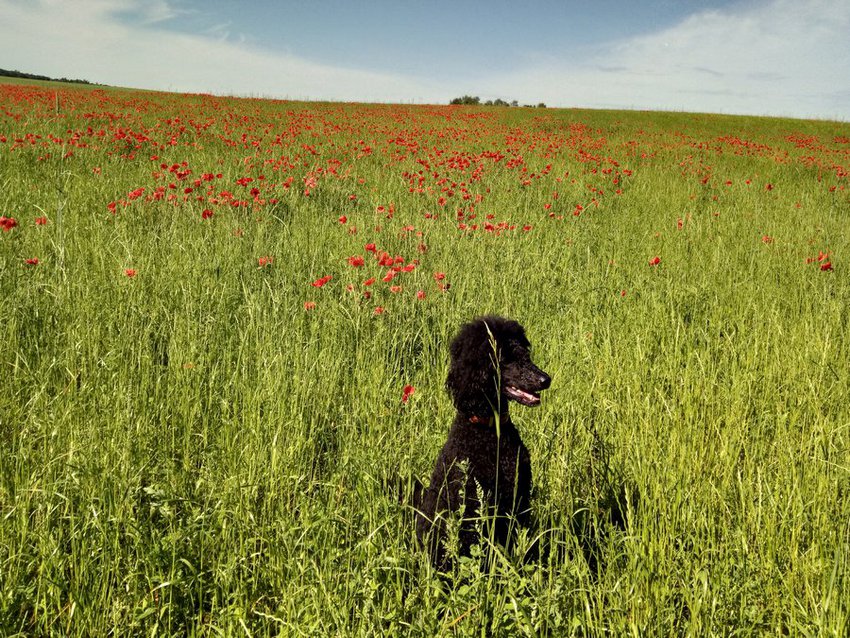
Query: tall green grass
x=190, y=451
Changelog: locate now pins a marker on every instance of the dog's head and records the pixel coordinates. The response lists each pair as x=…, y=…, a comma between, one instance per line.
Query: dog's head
x=490, y=365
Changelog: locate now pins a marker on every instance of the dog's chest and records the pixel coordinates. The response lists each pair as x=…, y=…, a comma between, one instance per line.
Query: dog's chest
x=501, y=460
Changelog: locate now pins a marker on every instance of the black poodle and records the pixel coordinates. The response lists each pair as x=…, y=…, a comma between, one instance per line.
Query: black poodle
x=484, y=454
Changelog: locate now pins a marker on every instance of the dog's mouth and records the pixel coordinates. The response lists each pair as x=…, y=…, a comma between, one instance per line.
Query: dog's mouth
x=522, y=397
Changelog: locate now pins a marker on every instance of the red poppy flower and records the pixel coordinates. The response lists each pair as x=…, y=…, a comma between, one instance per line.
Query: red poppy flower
x=406, y=392
x=41, y=221
x=371, y=248
x=378, y=310
x=33, y=261
x=206, y=214
x=7, y=223
x=309, y=305
x=130, y=272
x=826, y=266
x=356, y=261
x=655, y=261
x=369, y=281
x=343, y=219
x=439, y=276
x=322, y=281
x=265, y=261
x=420, y=294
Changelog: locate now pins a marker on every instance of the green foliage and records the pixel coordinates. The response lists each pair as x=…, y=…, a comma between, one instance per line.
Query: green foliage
x=193, y=451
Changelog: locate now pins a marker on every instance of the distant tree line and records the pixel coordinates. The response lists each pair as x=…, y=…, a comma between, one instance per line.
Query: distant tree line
x=33, y=76
x=476, y=101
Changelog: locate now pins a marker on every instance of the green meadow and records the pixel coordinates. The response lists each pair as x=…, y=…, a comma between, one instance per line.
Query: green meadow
x=210, y=308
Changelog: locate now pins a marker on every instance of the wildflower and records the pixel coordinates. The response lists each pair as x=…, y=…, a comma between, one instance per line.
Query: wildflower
x=356, y=261
x=369, y=281
x=7, y=223
x=767, y=239
x=370, y=248
x=826, y=266
x=406, y=392
x=321, y=281
x=343, y=219
x=395, y=288
x=309, y=305
x=41, y=221
x=33, y=261
x=655, y=261
x=206, y=214
x=378, y=310
x=265, y=261
x=130, y=272
x=439, y=276
x=420, y=294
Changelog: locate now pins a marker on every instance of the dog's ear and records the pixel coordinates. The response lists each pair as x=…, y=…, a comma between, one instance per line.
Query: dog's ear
x=472, y=374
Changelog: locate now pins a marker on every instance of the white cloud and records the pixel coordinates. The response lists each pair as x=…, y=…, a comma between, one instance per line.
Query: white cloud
x=783, y=57
x=87, y=39
x=770, y=57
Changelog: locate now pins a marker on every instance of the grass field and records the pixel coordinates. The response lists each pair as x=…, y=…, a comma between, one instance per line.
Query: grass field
x=210, y=308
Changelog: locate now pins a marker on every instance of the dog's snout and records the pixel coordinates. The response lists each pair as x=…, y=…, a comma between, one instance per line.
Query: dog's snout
x=543, y=379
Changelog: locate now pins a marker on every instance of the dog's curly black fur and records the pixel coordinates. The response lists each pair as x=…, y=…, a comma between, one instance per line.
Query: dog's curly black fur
x=484, y=454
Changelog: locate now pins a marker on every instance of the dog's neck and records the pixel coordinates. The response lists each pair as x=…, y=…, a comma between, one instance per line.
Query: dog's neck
x=485, y=419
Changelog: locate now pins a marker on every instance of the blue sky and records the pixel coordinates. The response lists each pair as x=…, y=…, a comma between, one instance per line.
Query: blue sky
x=766, y=57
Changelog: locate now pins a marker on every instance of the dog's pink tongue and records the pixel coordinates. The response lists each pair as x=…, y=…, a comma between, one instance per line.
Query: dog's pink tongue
x=522, y=396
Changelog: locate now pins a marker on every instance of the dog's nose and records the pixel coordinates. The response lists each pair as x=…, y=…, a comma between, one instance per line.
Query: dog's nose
x=543, y=380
